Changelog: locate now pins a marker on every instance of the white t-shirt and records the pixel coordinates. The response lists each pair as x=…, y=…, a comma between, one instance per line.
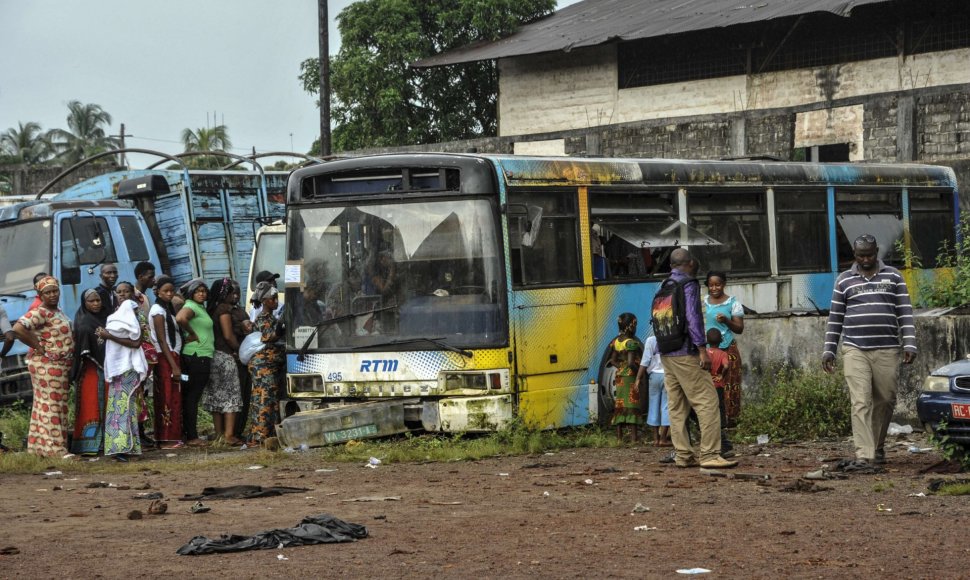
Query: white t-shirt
x=651, y=356
x=259, y=308
x=157, y=310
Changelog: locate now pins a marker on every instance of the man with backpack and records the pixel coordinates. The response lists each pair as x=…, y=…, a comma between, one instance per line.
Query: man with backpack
x=679, y=327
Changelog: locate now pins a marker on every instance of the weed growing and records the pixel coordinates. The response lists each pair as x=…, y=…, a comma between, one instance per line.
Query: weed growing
x=14, y=424
x=797, y=404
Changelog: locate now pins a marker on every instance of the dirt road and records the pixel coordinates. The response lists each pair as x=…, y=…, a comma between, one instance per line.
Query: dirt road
x=558, y=515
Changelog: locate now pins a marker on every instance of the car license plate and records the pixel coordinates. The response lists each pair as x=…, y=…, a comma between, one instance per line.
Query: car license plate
x=960, y=410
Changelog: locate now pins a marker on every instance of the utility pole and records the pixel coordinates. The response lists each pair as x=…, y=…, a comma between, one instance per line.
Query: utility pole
x=324, y=77
x=122, y=158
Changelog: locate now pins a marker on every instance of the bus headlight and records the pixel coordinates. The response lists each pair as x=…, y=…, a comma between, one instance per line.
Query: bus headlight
x=309, y=383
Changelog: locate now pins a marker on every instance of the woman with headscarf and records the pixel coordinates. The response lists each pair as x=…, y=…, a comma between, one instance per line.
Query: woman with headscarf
x=264, y=411
x=126, y=291
x=196, y=355
x=47, y=331
x=87, y=374
x=167, y=339
x=223, y=397
x=241, y=327
x=125, y=368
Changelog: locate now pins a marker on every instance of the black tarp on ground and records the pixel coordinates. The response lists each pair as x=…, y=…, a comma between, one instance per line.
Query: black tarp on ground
x=241, y=492
x=321, y=529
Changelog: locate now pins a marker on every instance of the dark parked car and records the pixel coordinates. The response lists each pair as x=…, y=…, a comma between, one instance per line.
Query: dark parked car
x=945, y=398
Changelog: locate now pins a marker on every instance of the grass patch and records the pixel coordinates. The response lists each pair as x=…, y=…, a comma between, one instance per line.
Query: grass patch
x=514, y=440
x=797, y=404
x=14, y=424
x=954, y=489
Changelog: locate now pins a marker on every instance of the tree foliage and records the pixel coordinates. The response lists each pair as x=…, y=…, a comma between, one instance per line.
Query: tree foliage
x=206, y=139
x=378, y=100
x=86, y=133
x=27, y=143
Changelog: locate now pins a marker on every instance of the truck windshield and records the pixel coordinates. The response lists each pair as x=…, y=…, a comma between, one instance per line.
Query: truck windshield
x=26, y=251
x=417, y=270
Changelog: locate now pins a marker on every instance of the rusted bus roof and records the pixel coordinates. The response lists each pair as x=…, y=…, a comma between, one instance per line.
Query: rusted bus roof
x=595, y=22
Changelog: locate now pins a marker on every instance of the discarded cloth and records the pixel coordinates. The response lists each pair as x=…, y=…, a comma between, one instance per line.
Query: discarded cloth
x=321, y=529
x=241, y=492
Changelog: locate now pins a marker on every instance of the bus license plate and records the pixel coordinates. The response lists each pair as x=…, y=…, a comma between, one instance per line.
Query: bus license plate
x=960, y=410
x=348, y=434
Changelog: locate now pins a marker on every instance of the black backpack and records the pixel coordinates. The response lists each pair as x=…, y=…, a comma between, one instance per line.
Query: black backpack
x=668, y=315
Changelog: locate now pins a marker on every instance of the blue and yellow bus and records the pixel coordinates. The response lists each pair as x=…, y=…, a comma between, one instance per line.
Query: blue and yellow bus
x=474, y=289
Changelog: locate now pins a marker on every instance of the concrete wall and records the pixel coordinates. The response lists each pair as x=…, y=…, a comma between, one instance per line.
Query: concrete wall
x=555, y=92
x=797, y=341
x=28, y=180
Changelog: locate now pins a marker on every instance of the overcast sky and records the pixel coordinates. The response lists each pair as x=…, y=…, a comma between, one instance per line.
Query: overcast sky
x=160, y=67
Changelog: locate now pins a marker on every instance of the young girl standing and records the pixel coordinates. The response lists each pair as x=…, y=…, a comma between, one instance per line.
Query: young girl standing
x=626, y=350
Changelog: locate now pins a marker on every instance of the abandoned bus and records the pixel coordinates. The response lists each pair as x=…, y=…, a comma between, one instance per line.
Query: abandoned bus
x=455, y=292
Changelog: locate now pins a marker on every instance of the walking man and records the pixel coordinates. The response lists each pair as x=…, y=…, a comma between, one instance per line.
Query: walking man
x=686, y=375
x=870, y=311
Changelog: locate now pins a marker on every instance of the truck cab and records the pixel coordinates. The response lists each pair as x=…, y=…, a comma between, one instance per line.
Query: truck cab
x=70, y=240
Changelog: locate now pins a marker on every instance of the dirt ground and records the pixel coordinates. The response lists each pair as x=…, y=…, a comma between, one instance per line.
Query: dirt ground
x=566, y=514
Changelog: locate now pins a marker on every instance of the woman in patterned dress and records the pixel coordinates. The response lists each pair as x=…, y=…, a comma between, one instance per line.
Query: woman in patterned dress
x=47, y=331
x=264, y=367
x=626, y=350
x=223, y=395
x=125, y=369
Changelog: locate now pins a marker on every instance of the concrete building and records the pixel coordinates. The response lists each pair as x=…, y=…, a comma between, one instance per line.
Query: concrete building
x=827, y=80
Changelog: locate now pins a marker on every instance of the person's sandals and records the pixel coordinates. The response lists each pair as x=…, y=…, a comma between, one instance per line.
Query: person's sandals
x=668, y=457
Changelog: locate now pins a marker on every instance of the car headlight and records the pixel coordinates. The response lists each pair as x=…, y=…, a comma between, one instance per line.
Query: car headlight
x=936, y=384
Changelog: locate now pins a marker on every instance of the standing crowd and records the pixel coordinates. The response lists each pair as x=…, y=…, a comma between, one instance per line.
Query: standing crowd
x=140, y=369
x=691, y=365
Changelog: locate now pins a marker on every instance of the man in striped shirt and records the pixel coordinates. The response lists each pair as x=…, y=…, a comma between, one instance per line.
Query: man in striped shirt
x=871, y=311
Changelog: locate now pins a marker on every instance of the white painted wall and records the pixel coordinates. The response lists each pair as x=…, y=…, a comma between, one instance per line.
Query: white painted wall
x=577, y=90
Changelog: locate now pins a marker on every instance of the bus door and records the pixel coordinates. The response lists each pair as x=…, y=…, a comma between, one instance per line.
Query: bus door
x=549, y=308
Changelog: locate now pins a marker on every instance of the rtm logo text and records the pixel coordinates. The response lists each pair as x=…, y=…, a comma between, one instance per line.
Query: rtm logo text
x=378, y=365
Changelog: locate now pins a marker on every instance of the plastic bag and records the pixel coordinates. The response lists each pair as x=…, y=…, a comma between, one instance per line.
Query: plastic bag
x=250, y=345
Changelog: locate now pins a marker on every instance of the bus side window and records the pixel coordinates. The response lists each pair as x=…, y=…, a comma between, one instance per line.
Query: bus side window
x=544, y=239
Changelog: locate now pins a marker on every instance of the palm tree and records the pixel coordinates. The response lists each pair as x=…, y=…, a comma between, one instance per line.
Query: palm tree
x=206, y=139
x=26, y=142
x=86, y=135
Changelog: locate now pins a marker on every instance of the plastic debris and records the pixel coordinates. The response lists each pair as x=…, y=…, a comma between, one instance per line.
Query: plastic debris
x=693, y=571
x=255, y=467
x=281, y=557
x=639, y=509
x=920, y=494
x=882, y=508
x=373, y=462
x=643, y=528
x=324, y=470
x=171, y=455
x=503, y=475
x=588, y=481
x=762, y=440
x=545, y=494
x=915, y=449
x=895, y=429
x=52, y=473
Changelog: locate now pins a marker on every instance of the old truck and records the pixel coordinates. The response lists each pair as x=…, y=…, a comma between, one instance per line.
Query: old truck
x=188, y=222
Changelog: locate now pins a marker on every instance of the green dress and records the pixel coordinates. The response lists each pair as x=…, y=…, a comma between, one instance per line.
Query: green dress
x=626, y=410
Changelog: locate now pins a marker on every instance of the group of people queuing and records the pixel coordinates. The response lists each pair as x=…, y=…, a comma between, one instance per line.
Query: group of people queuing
x=696, y=377
x=139, y=369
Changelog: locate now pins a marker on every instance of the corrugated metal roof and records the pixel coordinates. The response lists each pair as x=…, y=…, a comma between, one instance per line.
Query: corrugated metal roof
x=594, y=22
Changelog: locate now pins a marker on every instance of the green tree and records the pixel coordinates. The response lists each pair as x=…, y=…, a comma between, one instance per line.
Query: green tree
x=206, y=139
x=86, y=133
x=378, y=100
x=26, y=143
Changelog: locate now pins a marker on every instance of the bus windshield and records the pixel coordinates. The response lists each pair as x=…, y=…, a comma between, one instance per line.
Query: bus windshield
x=388, y=273
x=26, y=251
